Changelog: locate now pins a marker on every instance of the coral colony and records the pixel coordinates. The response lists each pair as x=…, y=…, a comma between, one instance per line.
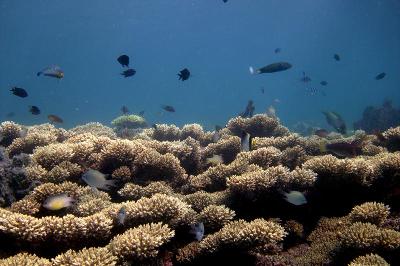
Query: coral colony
x=283, y=202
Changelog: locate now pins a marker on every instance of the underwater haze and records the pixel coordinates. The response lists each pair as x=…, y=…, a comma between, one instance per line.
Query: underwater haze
x=216, y=41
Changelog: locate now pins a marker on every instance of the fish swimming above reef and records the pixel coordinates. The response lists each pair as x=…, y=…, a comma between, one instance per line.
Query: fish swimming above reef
x=323, y=83
x=55, y=119
x=58, y=202
x=336, y=121
x=380, y=76
x=34, y=110
x=53, y=71
x=168, y=108
x=123, y=60
x=305, y=78
x=248, y=112
x=275, y=67
x=295, y=197
x=97, y=179
x=277, y=50
x=342, y=149
x=197, y=230
x=122, y=215
x=323, y=133
x=20, y=92
x=271, y=111
x=128, y=73
x=336, y=57
x=124, y=110
x=245, y=141
x=184, y=74
x=215, y=160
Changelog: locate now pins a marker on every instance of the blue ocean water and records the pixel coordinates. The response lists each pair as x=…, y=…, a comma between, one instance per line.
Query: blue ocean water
x=216, y=41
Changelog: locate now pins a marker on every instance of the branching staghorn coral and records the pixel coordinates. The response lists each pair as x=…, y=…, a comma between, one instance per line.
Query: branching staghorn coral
x=215, y=217
x=25, y=259
x=227, y=146
x=128, y=121
x=369, y=260
x=392, y=138
x=95, y=128
x=371, y=212
x=201, y=199
x=235, y=235
x=257, y=126
x=86, y=257
x=134, y=192
x=8, y=132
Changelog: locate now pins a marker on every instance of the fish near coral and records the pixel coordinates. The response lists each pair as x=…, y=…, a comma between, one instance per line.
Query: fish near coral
x=197, y=230
x=322, y=133
x=246, y=142
x=34, y=110
x=336, y=121
x=342, y=149
x=272, y=68
x=58, y=202
x=295, y=197
x=55, y=119
x=122, y=216
x=53, y=71
x=97, y=179
x=215, y=160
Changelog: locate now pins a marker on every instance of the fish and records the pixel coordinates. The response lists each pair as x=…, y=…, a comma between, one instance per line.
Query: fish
x=184, y=74
x=197, y=230
x=336, y=121
x=295, y=197
x=275, y=67
x=248, y=112
x=10, y=114
x=336, y=57
x=271, y=111
x=123, y=60
x=305, y=78
x=97, y=179
x=380, y=76
x=141, y=113
x=262, y=90
x=121, y=215
x=277, y=50
x=128, y=73
x=124, y=110
x=58, y=202
x=34, y=110
x=323, y=83
x=168, y=108
x=20, y=92
x=55, y=119
x=277, y=100
x=53, y=71
x=342, y=149
x=245, y=141
x=323, y=133
x=225, y=1
x=215, y=160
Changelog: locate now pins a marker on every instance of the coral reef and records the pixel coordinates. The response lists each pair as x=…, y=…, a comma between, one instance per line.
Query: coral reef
x=165, y=184
x=379, y=118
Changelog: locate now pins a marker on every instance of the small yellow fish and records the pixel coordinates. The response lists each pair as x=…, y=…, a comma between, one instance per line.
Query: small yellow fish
x=58, y=202
x=215, y=160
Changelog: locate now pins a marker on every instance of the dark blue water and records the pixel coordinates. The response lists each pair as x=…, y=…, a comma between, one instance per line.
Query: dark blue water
x=216, y=41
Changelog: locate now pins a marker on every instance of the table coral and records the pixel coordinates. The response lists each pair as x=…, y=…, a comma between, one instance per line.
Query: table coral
x=164, y=185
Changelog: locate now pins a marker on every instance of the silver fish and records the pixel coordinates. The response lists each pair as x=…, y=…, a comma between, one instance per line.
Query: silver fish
x=295, y=197
x=97, y=179
x=122, y=215
x=197, y=230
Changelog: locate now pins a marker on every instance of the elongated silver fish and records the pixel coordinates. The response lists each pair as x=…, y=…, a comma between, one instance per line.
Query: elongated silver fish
x=97, y=179
x=52, y=71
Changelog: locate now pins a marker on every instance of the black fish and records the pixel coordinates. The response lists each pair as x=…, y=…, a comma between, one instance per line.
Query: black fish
x=343, y=149
x=380, y=76
x=277, y=50
x=323, y=83
x=249, y=110
x=168, y=108
x=124, y=60
x=128, y=73
x=337, y=57
x=34, y=110
x=124, y=110
x=224, y=1
x=184, y=74
x=305, y=78
x=275, y=67
x=262, y=90
x=20, y=92
x=336, y=121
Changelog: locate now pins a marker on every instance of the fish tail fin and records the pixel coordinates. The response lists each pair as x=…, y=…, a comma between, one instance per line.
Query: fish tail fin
x=322, y=147
x=111, y=183
x=252, y=71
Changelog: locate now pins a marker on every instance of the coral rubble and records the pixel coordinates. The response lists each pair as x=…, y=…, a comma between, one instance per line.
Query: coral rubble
x=164, y=185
